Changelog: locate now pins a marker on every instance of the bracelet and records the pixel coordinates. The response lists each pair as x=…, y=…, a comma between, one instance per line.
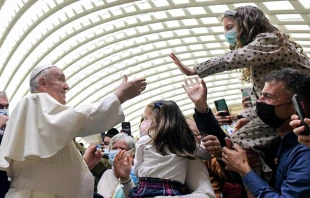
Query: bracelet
x=125, y=182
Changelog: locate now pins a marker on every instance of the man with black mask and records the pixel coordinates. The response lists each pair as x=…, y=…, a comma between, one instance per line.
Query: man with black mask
x=274, y=107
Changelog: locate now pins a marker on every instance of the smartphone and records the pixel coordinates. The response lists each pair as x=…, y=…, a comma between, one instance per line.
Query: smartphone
x=246, y=92
x=300, y=113
x=221, y=105
x=126, y=128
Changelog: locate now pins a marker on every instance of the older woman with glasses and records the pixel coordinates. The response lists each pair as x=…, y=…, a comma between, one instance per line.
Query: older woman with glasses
x=108, y=185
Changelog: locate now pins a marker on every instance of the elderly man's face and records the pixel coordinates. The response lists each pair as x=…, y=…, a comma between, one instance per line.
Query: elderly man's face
x=121, y=145
x=55, y=85
x=4, y=103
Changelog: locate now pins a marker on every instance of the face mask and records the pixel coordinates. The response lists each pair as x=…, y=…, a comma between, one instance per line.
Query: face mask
x=4, y=112
x=112, y=155
x=145, y=125
x=231, y=37
x=267, y=113
x=106, y=152
x=133, y=176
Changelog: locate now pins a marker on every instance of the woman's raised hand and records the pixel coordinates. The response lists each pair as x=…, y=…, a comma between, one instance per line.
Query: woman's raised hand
x=184, y=70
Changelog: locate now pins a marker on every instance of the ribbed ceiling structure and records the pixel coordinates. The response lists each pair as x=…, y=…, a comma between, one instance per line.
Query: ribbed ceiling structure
x=96, y=42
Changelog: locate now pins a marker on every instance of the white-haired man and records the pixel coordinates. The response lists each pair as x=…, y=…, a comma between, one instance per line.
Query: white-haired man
x=37, y=149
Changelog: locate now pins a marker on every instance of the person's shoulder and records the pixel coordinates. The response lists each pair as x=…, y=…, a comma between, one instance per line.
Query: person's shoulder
x=35, y=96
x=300, y=152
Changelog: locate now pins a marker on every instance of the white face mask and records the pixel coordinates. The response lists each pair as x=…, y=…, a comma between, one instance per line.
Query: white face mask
x=145, y=125
x=4, y=112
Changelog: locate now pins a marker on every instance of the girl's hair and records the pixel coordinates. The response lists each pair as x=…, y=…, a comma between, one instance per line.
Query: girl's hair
x=251, y=21
x=170, y=130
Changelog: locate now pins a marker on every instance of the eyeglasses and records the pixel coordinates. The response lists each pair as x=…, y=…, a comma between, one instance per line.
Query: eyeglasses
x=105, y=143
x=4, y=106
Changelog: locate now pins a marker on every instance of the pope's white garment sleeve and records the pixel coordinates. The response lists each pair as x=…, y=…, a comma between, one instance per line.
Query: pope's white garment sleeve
x=40, y=126
x=102, y=115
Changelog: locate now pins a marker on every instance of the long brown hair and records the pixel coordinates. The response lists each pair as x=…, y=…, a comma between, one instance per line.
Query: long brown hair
x=251, y=21
x=170, y=130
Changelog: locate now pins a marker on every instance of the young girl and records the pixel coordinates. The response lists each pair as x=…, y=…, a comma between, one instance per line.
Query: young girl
x=162, y=155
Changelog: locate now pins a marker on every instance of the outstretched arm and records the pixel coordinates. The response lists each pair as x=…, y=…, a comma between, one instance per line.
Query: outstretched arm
x=206, y=122
x=185, y=70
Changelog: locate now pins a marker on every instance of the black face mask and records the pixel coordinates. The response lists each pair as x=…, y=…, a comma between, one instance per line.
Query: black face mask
x=267, y=113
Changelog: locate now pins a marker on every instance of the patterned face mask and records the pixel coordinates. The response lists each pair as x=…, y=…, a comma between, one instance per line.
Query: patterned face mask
x=231, y=37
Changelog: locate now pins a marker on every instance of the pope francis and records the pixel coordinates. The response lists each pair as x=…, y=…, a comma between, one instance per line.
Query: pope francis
x=37, y=149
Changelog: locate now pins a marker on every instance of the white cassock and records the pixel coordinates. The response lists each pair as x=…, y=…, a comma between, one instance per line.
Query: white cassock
x=37, y=149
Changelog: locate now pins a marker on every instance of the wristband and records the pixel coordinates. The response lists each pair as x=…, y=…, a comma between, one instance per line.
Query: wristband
x=125, y=182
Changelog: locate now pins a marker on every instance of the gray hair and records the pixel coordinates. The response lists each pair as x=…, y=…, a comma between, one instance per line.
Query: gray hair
x=3, y=94
x=129, y=141
x=34, y=82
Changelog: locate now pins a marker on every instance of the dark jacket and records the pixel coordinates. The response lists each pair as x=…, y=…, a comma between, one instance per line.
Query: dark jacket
x=208, y=124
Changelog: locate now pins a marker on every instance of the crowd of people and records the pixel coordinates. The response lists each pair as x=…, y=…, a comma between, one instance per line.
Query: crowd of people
x=266, y=156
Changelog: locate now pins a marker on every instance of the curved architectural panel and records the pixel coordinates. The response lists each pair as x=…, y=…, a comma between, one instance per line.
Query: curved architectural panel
x=96, y=42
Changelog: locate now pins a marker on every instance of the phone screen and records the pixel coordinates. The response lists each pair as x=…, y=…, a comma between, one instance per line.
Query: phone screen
x=125, y=125
x=126, y=128
x=246, y=92
x=221, y=105
x=229, y=129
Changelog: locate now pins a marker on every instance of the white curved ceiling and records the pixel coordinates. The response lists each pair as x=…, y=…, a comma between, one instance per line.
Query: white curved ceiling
x=96, y=42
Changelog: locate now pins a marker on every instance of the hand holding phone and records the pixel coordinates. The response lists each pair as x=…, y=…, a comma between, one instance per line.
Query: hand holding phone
x=300, y=113
x=126, y=128
x=221, y=105
x=246, y=93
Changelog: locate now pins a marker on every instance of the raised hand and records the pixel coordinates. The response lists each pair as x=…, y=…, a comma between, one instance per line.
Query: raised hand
x=130, y=89
x=122, y=165
x=197, y=92
x=185, y=70
x=223, y=120
x=3, y=121
x=92, y=156
x=299, y=128
x=246, y=103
